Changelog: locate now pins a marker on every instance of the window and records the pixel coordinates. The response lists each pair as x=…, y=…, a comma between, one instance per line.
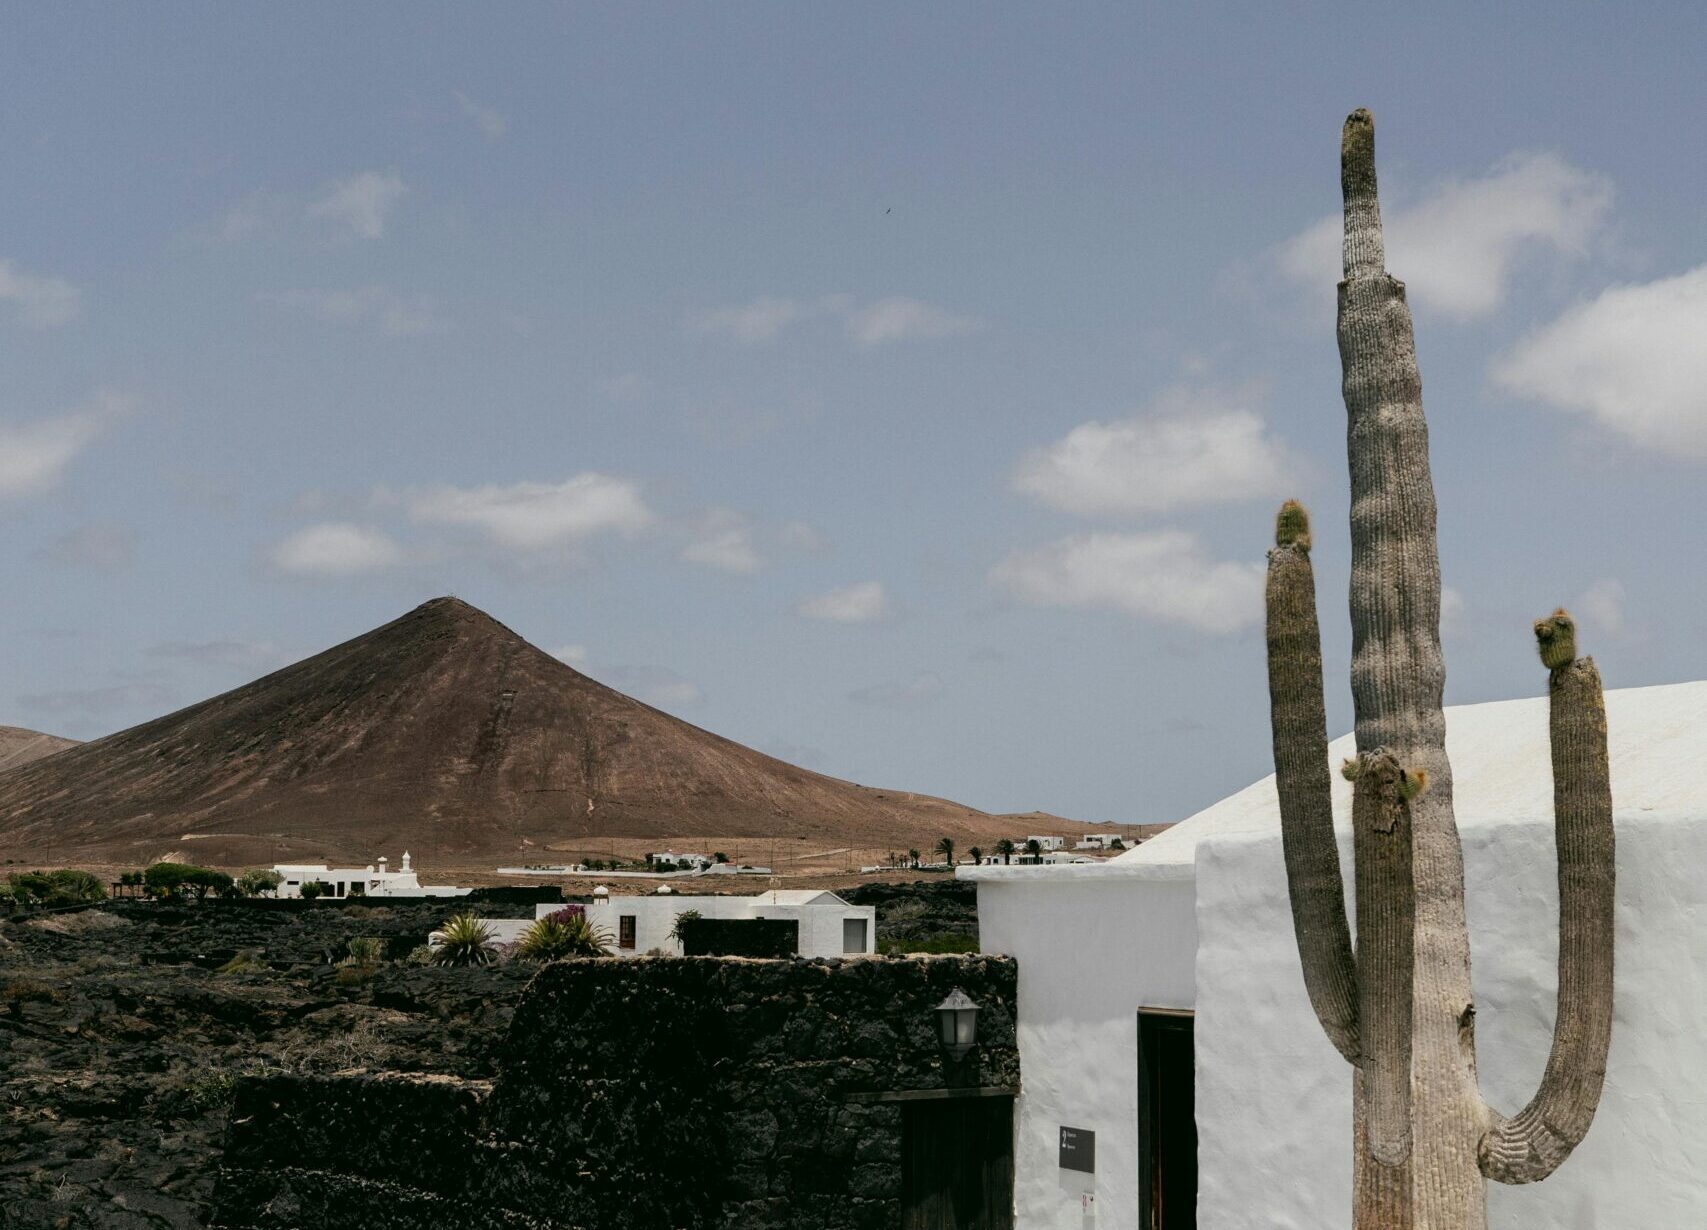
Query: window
x=853, y=935
x=625, y=931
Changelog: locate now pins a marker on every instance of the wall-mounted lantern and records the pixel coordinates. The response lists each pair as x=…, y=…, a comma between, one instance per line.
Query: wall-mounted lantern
x=957, y=1023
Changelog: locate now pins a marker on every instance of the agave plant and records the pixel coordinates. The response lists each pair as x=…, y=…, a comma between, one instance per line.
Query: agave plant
x=465, y=940
x=564, y=934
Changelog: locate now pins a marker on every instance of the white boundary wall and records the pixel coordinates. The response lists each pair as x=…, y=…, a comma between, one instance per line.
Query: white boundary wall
x=1092, y=951
x=1274, y=1098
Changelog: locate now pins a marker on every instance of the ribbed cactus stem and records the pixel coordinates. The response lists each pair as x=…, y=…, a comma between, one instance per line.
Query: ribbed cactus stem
x=1398, y=678
x=1386, y=937
x=1301, y=775
x=1399, y=1007
x=1530, y=1145
x=1363, y=253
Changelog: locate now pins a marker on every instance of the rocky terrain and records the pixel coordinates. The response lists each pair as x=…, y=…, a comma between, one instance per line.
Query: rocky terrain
x=123, y=1039
x=445, y=733
x=126, y=1025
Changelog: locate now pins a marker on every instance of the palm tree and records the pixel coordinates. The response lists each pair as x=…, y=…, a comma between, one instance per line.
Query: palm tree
x=945, y=847
x=912, y=858
x=977, y=855
x=1033, y=847
x=1005, y=848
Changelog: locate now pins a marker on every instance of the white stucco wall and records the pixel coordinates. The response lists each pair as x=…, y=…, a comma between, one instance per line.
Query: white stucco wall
x=1274, y=1099
x=1094, y=945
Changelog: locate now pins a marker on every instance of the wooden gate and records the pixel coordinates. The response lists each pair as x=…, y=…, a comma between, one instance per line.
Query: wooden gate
x=957, y=1164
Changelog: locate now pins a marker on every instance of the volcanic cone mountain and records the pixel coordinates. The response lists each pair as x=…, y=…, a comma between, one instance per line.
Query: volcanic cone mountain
x=445, y=732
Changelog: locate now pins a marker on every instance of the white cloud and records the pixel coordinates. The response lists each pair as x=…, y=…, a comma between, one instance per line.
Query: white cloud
x=573, y=655
x=901, y=319
x=37, y=300
x=336, y=549
x=493, y=124
x=359, y=204
x=1603, y=604
x=860, y=603
x=34, y=456
x=724, y=540
x=1191, y=446
x=921, y=690
x=1457, y=247
x=1163, y=575
x=1451, y=611
x=243, y=655
x=532, y=516
x=802, y=536
x=1631, y=359
x=758, y=321
x=886, y=320
x=392, y=314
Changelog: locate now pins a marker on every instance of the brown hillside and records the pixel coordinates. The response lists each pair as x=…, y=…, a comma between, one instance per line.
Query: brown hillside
x=19, y=746
x=445, y=732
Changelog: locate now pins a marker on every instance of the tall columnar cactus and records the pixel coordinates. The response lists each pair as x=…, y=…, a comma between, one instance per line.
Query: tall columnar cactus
x=1398, y=1005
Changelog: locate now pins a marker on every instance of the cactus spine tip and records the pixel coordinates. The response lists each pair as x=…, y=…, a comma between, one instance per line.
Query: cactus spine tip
x=1292, y=526
x=1556, y=638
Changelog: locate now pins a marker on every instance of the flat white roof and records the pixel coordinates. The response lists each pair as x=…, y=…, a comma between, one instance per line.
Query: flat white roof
x=1502, y=773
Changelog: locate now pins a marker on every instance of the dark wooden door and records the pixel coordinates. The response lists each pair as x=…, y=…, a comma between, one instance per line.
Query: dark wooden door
x=1167, y=1122
x=957, y=1164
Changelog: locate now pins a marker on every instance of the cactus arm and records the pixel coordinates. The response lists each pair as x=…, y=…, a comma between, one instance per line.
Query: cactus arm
x=1299, y=720
x=1386, y=934
x=1398, y=680
x=1531, y=1144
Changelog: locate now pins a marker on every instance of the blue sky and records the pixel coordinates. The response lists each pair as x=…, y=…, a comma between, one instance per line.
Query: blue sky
x=904, y=390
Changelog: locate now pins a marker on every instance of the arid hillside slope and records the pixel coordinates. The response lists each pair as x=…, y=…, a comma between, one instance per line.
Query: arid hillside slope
x=444, y=732
x=19, y=746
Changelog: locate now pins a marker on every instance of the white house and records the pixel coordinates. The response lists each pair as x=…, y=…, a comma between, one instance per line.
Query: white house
x=677, y=860
x=1099, y=841
x=829, y=926
x=1186, y=943
x=1044, y=843
x=374, y=880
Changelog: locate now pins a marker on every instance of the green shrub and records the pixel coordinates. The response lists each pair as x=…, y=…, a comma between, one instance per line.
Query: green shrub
x=312, y=889
x=465, y=940
x=256, y=882
x=686, y=916
x=65, y=886
x=421, y=954
x=248, y=961
x=566, y=933
x=21, y=991
x=365, y=950
x=945, y=942
x=175, y=879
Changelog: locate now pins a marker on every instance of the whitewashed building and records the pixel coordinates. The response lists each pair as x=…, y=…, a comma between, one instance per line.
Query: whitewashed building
x=374, y=880
x=1099, y=841
x=1163, y=988
x=829, y=926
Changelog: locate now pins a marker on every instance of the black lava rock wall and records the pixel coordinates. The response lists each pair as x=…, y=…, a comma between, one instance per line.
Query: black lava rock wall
x=674, y=1093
